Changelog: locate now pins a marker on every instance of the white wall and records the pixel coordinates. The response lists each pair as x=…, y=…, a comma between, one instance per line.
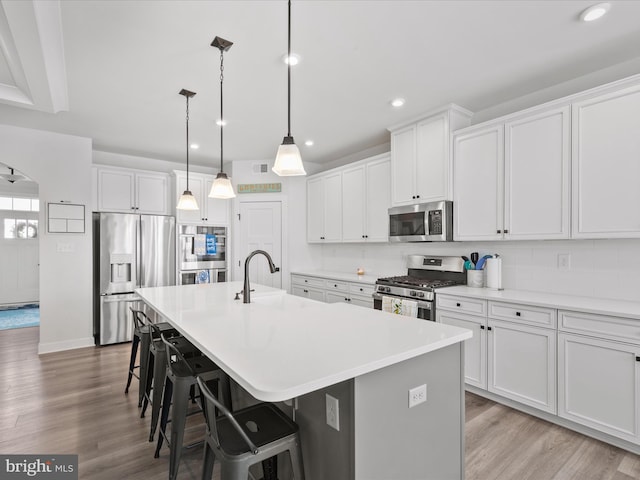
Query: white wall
x=61, y=165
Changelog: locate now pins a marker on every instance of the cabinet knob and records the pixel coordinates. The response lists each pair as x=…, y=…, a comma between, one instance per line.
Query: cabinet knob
x=305, y=290
x=506, y=231
x=366, y=236
x=362, y=236
x=481, y=327
x=517, y=314
x=489, y=328
x=133, y=208
x=335, y=285
x=305, y=280
x=457, y=304
x=361, y=290
x=498, y=231
x=348, y=299
x=637, y=359
x=417, y=196
x=414, y=197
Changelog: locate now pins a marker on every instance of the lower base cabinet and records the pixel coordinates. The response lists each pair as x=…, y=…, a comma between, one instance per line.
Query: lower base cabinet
x=475, y=348
x=308, y=292
x=522, y=364
x=332, y=291
x=599, y=384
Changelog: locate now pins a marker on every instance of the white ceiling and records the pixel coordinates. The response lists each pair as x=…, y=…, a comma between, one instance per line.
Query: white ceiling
x=126, y=61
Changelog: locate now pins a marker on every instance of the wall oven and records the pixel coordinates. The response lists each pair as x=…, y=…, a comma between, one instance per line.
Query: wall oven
x=202, y=256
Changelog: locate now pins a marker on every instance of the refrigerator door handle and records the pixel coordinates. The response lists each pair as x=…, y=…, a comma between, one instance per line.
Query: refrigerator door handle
x=139, y=267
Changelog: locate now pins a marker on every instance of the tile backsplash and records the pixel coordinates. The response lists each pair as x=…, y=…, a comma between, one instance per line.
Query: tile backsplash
x=597, y=268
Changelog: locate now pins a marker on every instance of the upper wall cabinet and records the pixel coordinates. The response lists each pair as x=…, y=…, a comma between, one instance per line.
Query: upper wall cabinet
x=350, y=204
x=126, y=190
x=606, y=165
x=511, y=179
x=365, y=201
x=420, y=156
x=212, y=211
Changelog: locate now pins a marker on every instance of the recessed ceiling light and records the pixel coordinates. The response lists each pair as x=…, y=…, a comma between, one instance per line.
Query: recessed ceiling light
x=294, y=59
x=309, y=143
x=397, y=102
x=194, y=146
x=594, y=12
x=221, y=123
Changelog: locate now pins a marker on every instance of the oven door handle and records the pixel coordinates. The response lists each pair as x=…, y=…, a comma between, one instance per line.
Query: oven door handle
x=421, y=304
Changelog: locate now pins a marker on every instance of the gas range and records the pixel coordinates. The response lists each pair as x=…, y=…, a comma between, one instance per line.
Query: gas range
x=411, y=286
x=425, y=275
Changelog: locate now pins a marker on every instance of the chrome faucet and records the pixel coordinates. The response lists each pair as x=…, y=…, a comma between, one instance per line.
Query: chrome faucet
x=246, y=293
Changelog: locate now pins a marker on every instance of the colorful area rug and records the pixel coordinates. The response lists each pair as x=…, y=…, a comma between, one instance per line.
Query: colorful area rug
x=19, y=317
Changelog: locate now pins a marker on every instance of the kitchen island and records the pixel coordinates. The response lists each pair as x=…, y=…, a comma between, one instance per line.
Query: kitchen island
x=281, y=347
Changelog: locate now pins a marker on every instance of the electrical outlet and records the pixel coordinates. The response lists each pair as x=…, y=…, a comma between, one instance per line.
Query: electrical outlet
x=333, y=412
x=417, y=395
x=564, y=261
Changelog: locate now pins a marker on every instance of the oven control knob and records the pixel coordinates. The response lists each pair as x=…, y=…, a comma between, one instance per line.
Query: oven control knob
x=387, y=289
x=421, y=294
x=413, y=294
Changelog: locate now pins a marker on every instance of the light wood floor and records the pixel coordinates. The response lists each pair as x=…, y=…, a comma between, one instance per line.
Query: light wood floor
x=73, y=402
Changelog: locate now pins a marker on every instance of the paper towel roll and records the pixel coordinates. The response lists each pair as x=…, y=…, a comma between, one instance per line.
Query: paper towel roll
x=494, y=273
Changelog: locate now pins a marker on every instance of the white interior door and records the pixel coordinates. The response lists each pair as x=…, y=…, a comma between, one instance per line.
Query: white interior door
x=261, y=229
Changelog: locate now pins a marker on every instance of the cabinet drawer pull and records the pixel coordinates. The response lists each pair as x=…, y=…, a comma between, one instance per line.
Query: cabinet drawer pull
x=518, y=314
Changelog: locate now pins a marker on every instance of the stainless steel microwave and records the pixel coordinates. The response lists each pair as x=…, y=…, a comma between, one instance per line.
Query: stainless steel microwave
x=422, y=222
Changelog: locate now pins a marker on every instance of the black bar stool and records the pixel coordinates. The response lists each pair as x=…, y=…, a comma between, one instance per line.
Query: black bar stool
x=142, y=339
x=181, y=376
x=158, y=370
x=246, y=437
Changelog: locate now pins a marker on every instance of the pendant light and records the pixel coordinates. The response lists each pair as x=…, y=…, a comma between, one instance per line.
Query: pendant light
x=187, y=200
x=12, y=177
x=221, y=187
x=288, y=160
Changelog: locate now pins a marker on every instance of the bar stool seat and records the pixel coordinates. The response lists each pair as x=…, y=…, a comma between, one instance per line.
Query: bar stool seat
x=180, y=377
x=248, y=436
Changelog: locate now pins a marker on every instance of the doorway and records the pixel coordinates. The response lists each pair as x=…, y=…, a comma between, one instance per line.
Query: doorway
x=19, y=250
x=261, y=229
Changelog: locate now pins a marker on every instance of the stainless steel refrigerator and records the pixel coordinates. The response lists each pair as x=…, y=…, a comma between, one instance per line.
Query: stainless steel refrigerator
x=129, y=251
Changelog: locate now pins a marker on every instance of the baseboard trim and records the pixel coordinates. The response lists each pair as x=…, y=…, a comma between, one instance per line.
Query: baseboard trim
x=65, y=345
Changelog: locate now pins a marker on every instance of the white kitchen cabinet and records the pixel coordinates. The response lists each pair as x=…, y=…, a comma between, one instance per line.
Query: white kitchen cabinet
x=599, y=384
x=475, y=348
x=606, y=165
x=324, y=208
x=522, y=363
x=132, y=191
x=511, y=179
x=420, y=157
x=333, y=290
x=350, y=204
x=478, y=170
x=536, y=179
x=366, y=201
x=211, y=211
x=308, y=292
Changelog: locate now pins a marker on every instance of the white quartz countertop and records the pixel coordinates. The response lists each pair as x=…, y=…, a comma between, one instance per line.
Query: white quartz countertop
x=344, y=276
x=602, y=306
x=281, y=346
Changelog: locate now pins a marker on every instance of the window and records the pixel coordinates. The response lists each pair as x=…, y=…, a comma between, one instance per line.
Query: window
x=20, y=228
x=20, y=204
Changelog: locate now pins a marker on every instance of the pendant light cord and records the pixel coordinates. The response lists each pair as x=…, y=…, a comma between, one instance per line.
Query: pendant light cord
x=221, y=109
x=187, y=142
x=289, y=75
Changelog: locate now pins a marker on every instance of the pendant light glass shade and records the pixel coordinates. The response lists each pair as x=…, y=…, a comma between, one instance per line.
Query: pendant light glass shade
x=288, y=160
x=222, y=187
x=187, y=200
